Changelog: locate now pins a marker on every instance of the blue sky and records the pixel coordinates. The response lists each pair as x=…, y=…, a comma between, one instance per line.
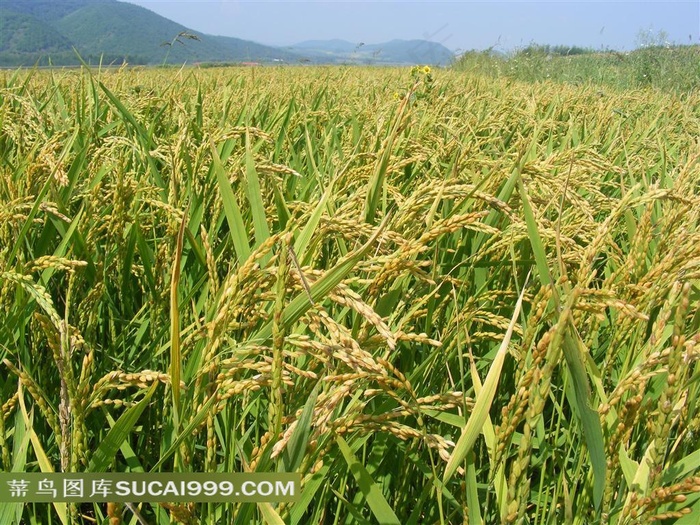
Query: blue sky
x=456, y=24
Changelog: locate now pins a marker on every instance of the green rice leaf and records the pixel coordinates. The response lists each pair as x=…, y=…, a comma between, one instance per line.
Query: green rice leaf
x=254, y=193
x=269, y=514
x=378, y=504
x=238, y=231
x=296, y=447
x=482, y=405
x=319, y=289
x=42, y=458
x=118, y=434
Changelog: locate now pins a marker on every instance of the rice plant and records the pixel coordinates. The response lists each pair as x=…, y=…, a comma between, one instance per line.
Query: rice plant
x=472, y=302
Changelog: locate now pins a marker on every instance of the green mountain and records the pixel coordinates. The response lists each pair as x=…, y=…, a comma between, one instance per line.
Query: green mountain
x=334, y=46
x=34, y=31
x=248, y=51
x=23, y=33
x=47, y=32
x=131, y=32
x=393, y=52
x=48, y=10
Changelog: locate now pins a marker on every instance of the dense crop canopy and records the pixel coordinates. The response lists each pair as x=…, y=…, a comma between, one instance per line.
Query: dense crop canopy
x=317, y=270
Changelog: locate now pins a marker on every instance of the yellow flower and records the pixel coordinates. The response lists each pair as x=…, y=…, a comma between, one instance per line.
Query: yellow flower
x=426, y=70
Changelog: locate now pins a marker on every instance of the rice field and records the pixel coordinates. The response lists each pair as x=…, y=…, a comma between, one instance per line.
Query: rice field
x=440, y=297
